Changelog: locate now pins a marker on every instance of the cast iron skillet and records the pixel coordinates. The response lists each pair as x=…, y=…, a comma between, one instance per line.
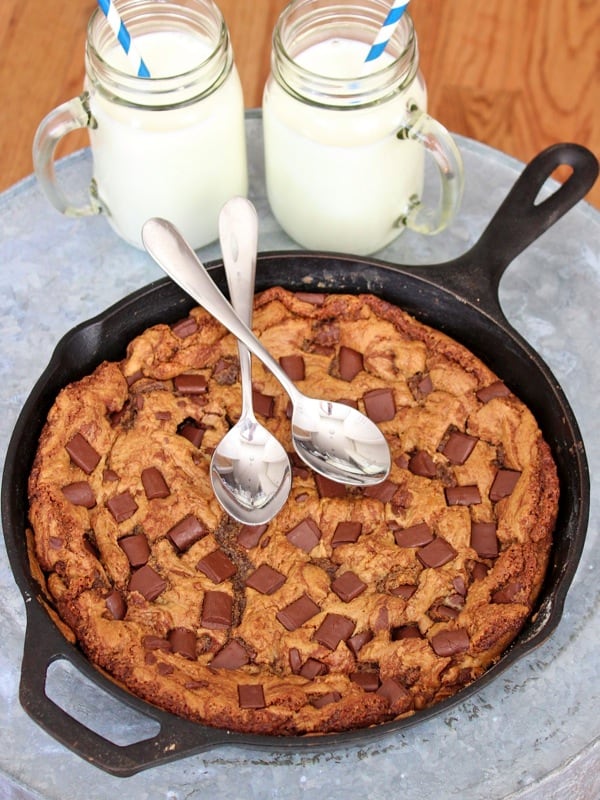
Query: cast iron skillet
x=459, y=297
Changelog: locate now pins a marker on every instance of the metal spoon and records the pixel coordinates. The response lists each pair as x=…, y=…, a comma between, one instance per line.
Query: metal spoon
x=250, y=471
x=332, y=438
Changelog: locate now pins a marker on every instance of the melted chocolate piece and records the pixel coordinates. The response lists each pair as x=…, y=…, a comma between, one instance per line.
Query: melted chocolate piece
x=484, y=539
x=383, y=491
x=312, y=668
x=298, y=612
x=326, y=699
x=326, y=487
x=367, y=680
x=191, y=431
x=217, y=566
x=415, y=536
x=380, y=405
x=293, y=366
x=264, y=404
x=185, y=327
x=358, y=641
x=116, y=605
x=459, y=447
x=217, y=610
x=437, y=553
x=405, y=632
x=422, y=464
x=249, y=535
x=314, y=298
x=393, y=691
x=183, y=642
x=405, y=591
x=508, y=593
x=305, y=534
x=265, y=579
x=136, y=548
x=503, y=484
x=334, y=629
x=462, y=495
x=231, y=656
x=186, y=532
x=496, y=389
x=190, y=383
x=109, y=476
x=450, y=642
x=82, y=454
x=80, y=494
x=350, y=363
x=348, y=586
x=154, y=484
x=346, y=533
x=122, y=506
x=226, y=371
x=251, y=695
x=147, y=582
x=295, y=660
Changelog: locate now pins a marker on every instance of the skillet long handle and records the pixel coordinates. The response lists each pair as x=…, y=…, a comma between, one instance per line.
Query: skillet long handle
x=520, y=220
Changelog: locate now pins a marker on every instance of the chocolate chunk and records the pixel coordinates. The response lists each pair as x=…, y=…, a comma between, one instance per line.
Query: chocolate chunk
x=249, y=535
x=329, y=488
x=346, y=533
x=312, y=667
x=395, y=694
x=231, y=656
x=405, y=632
x=508, y=593
x=186, y=532
x=147, y=582
x=183, y=641
x=217, y=610
x=154, y=484
x=217, y=566
x=115, y=603
x=422, y=464
x=156, y=643
x=451, y=642
x=314, y=298
x=295, y=660
x=380, y=405
x=226, y=371
x=263, y=403
x=484, y=540
x=191, y=431
x=383, y=491
x=110, y=476
x=185, y=327
x=440, y=612
x=405, y=591
x=478, y=571
x=358, y=641
x=165, y=669
x=459, y=585
x=348, y=586
x=437, y=553
x=190, y=383
x=415, y=536
x=420, y=385
x=122, y=506
x=251, y=695
x=326, y=699
x=80, y=494
x=305, y=535
x=136, y=548
x=293, y=366
x=459, y=447
x=163, y=416
x=350, y=363
x=298, y=612
x=367, y=680
x=496, y=389
x=504, y=484
x=462, y=495
x=265, y=579
x=334, y=629
x=134, y=377
x=82, y=454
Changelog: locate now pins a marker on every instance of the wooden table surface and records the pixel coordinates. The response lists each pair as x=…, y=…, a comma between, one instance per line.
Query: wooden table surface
x=517, y=75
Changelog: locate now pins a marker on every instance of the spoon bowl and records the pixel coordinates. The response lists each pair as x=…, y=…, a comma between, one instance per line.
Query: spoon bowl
x=250, y=471
x=334, y=439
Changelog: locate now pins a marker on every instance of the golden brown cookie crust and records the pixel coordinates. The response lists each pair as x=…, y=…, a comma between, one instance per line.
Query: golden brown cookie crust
x=345, y=625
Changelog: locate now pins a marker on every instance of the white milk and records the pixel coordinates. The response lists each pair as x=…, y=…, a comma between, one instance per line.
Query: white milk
x=339, y=178
x=181, y=162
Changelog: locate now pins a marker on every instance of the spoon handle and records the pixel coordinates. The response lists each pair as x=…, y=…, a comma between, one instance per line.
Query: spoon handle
x=238, y=236
x=175, y=256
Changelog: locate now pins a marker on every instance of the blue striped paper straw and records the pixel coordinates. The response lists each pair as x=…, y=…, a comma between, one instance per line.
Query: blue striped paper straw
x=387, y=29
x=118, y=27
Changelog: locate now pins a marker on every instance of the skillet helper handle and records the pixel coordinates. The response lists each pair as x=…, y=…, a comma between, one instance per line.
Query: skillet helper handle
x=520, y=220
x=176, y=737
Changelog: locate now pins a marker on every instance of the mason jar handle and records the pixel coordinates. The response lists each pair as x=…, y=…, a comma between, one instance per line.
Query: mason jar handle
x=70, y=116
x=438, y=142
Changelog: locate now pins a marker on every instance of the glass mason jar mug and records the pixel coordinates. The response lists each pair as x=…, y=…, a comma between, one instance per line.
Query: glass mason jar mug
x=345, y=138
x=172, y=145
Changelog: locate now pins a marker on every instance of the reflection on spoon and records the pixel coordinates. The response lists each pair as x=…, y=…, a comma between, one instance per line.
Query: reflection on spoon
x=334, y=439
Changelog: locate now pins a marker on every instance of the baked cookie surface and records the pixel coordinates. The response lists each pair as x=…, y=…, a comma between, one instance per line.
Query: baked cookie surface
x=352, y=607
